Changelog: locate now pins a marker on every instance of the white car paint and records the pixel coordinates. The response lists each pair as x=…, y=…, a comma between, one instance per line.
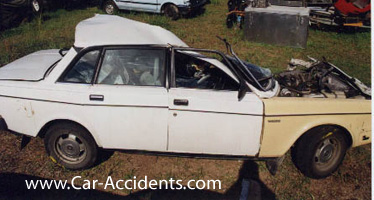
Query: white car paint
x=268, y=94
x=214, y=122
x=121, y=31
x=136, y=119
x=133, y=117
x=155, y=6
x=31, y=67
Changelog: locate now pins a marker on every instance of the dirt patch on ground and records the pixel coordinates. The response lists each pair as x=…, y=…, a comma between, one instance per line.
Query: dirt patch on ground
x=351, y=181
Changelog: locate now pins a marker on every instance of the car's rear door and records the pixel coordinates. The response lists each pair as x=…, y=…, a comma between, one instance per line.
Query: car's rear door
x=131, y=83
x=205, y=115
x=128, y=101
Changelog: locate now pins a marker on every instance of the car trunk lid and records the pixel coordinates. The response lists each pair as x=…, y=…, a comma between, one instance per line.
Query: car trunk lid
x=32, y=67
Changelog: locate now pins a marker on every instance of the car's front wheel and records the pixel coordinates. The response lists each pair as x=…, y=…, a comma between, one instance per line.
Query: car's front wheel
x=172, y=11
x=110, y=7
x=319, y=152
x=71, y=146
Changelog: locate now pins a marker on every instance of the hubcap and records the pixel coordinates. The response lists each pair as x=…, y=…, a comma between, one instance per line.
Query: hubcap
x=109, y=9
x=327, y=153
x=36, y=6
x=70, y=148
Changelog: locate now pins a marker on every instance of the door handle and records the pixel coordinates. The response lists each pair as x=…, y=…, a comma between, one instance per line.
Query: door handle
x=181, y=102
x=96, y=97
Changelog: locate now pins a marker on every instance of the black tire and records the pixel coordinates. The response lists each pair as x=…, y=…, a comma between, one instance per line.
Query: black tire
x=231, y=5
x=230, y=20
x=172, y=11
x=13, y=12
x=110, y=8
x=71, y=146
x=320, y=151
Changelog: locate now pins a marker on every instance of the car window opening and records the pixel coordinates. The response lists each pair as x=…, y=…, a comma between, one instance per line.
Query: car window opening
x=83, y=71
x=192, y=72
x=141, y=67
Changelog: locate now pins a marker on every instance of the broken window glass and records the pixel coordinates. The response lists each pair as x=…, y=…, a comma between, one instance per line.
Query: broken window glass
x=83, y=70
x=193, y=71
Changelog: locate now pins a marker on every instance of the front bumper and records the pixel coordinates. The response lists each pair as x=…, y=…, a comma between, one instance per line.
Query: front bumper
x=195, y=5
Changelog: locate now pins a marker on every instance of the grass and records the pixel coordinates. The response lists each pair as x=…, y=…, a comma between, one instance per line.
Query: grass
x=350, y=51
x=351, y=181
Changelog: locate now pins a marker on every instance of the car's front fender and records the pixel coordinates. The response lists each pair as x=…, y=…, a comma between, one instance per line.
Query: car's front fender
x=287, y=119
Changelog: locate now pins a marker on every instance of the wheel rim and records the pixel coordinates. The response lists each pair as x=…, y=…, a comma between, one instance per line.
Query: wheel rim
x=109, y=9
x=70, y=148
x=170, y=12
x=327, y=153
x=35, y=5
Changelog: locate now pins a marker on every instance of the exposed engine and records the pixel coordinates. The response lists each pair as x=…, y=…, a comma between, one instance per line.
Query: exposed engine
x=319, y=79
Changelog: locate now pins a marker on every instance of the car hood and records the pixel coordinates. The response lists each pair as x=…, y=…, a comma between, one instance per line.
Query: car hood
x=32, y=67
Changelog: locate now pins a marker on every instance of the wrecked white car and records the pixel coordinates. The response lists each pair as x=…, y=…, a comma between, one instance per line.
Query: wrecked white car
x=150, y=92
x=171, y=8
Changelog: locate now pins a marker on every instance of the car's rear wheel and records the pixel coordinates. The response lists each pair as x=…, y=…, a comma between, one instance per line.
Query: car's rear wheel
x=319, y=152
x=110, y=7
x=71, y=146
x=172, y=11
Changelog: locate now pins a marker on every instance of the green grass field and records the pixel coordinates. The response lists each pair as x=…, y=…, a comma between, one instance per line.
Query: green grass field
x=350, y=51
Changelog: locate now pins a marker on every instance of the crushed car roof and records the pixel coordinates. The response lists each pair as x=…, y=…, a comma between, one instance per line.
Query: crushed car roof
x=115, y=30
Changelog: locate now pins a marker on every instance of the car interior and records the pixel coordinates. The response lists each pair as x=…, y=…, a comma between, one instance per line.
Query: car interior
x=141, y=67
x=83, y=70
x=132, y=67
x=194, y=71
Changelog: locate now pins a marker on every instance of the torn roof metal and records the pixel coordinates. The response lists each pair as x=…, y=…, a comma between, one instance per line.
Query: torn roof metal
x=115, y=30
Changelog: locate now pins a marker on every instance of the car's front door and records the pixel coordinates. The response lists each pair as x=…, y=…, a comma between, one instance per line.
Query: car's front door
x=205, y=115
x=128, y=102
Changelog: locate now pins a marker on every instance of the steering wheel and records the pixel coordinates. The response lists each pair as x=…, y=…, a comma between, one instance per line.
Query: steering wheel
x=190, y=69
x=203, y=79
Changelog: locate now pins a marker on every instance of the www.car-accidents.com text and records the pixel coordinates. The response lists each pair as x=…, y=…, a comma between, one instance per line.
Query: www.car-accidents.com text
x=78, y=183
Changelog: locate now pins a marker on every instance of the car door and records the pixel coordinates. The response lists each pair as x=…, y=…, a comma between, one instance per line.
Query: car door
x=205, y=115
x=124, y=4
x=128, y=101
x=144, y=5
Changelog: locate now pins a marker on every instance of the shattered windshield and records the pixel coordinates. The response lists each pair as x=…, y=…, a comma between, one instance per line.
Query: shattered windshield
x=260, y=78
x=258, y=72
